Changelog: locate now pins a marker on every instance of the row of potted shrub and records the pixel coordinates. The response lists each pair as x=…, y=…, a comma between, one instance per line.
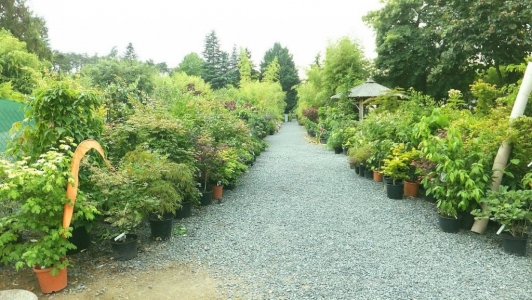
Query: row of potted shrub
x=165, y=153
x=446, y=147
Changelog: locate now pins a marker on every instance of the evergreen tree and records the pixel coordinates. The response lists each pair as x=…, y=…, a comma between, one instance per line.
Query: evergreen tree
x=288, y=76
x=233, y=75
x=16, y=17
x=244, y=68
x=216, y=62
x=130, y=54
x=255, y=74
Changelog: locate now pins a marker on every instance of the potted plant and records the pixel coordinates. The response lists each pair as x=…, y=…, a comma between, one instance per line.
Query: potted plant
x=512, y=209
x=396, y=167
x=38, y=190
x=336, y=140
x=361, y=154
x=208, y=162
x=412, y=182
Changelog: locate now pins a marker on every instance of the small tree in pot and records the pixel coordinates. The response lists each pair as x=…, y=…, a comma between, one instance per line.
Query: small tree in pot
x=38, y=189
x=209, y=162
x=512, y=209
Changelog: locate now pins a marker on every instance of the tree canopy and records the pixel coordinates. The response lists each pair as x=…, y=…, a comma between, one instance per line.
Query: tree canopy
x=288, y=76
x=16, y=18
x=434, y=46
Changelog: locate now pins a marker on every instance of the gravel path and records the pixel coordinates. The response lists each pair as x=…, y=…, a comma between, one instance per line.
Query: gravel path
x=302, y=225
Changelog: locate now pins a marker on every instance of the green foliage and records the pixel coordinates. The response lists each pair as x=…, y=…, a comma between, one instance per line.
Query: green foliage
x=397, y=165
x=436, y=47
x=146, y=183
x=361, y=153
x=137, y=77
x=271, y=74
x=287, y=72
x=38, y=189
x=485, y=94
x=232, y=166
x=461, y=176
x=344, y=65
x=17, y=65
x=511, y=208
x=191, y=64
x=56, y=111
x=154, y=126
x=7, y=92
x=18, y=19
x=216, y=63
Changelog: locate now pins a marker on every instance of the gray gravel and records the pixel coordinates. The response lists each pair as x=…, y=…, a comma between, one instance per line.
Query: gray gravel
x=302, y=225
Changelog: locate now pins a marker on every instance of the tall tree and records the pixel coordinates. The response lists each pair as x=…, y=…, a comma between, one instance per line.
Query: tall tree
x=344, y=65
x=288, y=76
x=233, y=74
x=17, y=65
x=215, y=62
x=244, y=68
x=130, y=54
x=255, y=74
x=489, y=33
x=406, y=46
x=191, y=64
x=16, y=17
x=271, y=74
x=438, y=45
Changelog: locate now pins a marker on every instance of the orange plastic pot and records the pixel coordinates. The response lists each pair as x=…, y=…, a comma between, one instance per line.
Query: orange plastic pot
x=49, y=283
x=411, y=189
x=377, y=176
x=217, y=191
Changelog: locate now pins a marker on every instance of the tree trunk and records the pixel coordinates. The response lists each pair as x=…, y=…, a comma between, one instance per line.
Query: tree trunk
x=499, y=73
x=361, y=110
x=501, y=160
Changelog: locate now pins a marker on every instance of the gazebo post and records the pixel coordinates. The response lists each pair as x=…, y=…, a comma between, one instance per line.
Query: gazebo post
x=360, y=110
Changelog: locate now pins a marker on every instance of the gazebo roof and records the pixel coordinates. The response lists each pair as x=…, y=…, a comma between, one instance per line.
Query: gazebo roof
x=368, y=89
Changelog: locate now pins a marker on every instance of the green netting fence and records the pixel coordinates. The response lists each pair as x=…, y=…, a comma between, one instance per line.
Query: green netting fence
x=10, y=112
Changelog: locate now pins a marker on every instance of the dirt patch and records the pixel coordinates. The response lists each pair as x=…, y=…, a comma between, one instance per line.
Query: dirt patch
x=176, y=281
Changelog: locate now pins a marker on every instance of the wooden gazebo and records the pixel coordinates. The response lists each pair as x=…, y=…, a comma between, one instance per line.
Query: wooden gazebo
x=362, y=92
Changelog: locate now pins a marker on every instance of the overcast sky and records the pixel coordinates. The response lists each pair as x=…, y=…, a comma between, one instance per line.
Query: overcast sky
x=167, y=30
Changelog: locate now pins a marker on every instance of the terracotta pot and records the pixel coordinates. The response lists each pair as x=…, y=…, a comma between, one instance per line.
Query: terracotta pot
x=377, y=176
x=217, y=191
x=49, y=283
x=411, y=188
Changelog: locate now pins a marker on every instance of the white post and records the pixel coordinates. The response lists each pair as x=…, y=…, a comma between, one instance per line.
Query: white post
x=501, y=160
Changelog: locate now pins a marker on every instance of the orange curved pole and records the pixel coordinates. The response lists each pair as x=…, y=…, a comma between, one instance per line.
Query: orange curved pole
x=72, y=190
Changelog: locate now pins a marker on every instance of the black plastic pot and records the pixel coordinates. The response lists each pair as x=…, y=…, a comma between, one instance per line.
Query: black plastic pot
x=344, y=151
x=323, y=141
x=80, y=238
x=206, y=198
x=161, y=229
x=125, y=250
x=338, y=150
x=467, y=220
x=185, y=211
x=357, y=169
x=450, y=224
x=430, y=198
x=395, y=191
x=230, y=186
x=361, y=168
x=389, y=180
x=368, y=174
x=514, y=245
